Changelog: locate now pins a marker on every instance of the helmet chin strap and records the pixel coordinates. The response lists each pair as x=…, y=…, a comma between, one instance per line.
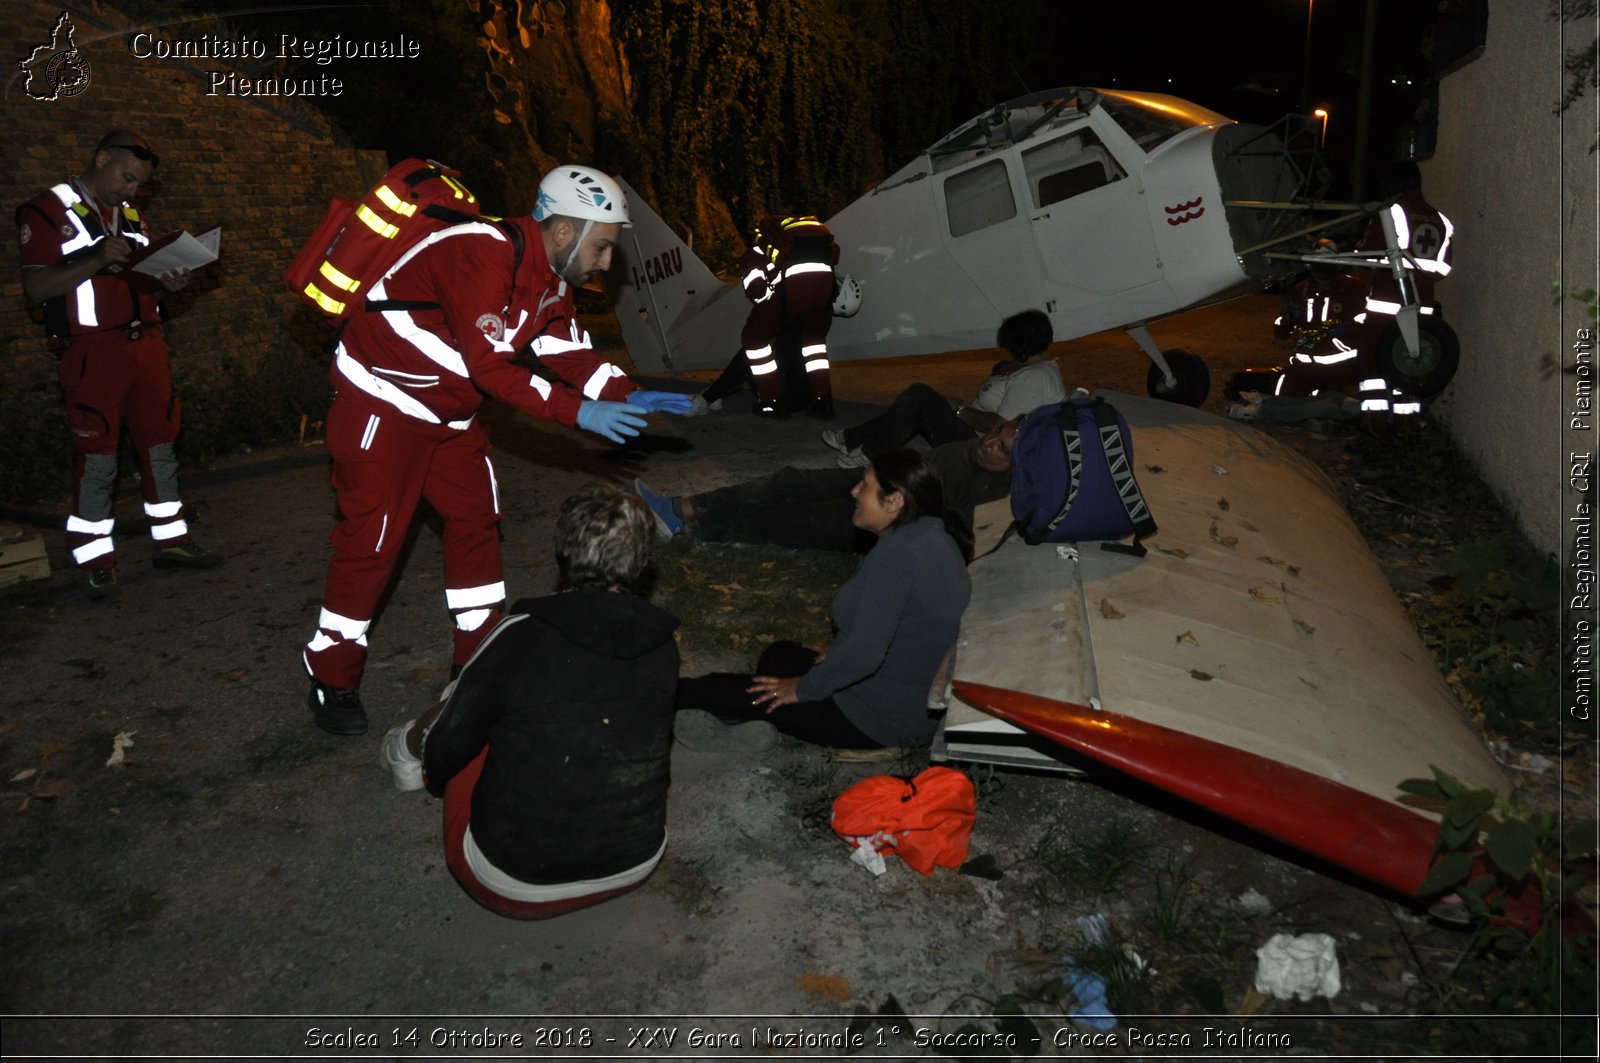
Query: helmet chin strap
x=572, y=248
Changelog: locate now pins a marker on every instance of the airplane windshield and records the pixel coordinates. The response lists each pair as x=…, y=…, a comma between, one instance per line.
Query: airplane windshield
x=1152, y=120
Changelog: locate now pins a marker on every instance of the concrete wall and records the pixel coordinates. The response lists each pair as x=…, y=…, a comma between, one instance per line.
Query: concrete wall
x=264, y=170
x=1519, y=181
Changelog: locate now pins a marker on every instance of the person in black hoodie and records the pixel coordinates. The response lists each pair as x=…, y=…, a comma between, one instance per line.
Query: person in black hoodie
x=552, y=749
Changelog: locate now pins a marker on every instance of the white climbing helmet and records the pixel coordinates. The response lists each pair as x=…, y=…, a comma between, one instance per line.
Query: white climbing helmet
x=848, y=301
x=583, y=193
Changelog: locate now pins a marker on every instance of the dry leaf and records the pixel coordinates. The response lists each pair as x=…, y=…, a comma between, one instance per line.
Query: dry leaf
x=1188, y=636
x=1263, y=597
x=1269, y=560
x=1204, y=677
x=1156, y=469
x=501, y=117
x=1293, y=570
x=25, y=773
x=1222, y=504
x=1247, y=526
x=824, y=986
x=1253, y=999
x=1180, y=553
x=1225, y=540
x=1108, y=610
x=119, y=746
x=1305, y=627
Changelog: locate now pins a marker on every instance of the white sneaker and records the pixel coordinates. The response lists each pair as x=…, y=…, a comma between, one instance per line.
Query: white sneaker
x=834, y=439
x=852, y=459
x=395, y=758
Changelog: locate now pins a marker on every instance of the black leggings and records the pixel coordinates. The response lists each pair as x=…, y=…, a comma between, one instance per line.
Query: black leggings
x=727, y=695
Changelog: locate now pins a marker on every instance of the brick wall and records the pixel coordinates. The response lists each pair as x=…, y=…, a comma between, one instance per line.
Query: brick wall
x=262, y=170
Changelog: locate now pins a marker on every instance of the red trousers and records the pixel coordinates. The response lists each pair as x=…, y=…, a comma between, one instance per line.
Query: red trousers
x=110, y=380
x=384, y=463
x=457, y=817
x=805, y=301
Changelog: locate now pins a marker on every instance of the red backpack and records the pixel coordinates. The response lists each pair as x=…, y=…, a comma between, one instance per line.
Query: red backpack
x=926, y=821
x=360, y=240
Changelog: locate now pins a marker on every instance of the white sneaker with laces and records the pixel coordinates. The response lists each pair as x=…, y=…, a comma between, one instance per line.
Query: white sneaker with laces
x=395, y=758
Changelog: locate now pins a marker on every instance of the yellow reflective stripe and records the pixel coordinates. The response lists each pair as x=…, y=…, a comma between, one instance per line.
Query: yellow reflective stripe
x=339, y=280
x=375, y=223
x=460, y=189
x=794, y=223
x=328, y=304
x=133, y=215
x=394, y=202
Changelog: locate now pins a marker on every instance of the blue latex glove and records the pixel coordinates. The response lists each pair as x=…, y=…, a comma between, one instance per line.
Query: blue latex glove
x=662, y=401
x=617, y=421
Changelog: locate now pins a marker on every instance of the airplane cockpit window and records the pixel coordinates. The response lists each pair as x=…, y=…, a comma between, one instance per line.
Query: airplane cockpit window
x=1148, y=122
x=1069, y=166
x=978, y=198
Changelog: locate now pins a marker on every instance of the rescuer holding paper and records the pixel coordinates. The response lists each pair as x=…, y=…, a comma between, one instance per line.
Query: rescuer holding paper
x=75, y=238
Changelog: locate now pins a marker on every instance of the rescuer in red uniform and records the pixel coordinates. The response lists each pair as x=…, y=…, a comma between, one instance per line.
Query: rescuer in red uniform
x=788, y=277
x=74, y=239
x=439, y=331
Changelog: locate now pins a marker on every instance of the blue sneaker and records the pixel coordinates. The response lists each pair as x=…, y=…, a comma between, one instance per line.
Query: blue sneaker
x=668, y=523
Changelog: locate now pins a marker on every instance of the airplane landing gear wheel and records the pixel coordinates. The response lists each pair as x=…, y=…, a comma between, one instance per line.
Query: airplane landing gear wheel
x=1193, y=383
x=1427, y=374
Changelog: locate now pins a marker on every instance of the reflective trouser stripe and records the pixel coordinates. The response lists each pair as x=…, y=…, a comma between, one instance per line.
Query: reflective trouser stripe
x=761, y=360
x=333, y=629
x=472, y=619
x=458, y=598
x=166, y=520
x=99, y=543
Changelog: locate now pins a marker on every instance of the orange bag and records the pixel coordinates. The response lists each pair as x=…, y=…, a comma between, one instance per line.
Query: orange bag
x=926, y=821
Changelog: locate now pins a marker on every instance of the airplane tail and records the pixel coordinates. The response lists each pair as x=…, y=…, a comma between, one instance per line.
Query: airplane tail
x=660, y=294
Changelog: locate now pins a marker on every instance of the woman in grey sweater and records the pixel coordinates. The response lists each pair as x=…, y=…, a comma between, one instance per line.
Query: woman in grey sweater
x=897, y=617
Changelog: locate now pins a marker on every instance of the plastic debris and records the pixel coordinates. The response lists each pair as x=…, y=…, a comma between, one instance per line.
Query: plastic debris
x=119, y=745
x=1219, y=470
x=1067, y=551
x=1252, y=901
x=1303, y=967
x=1089, y=992
x=866, y=854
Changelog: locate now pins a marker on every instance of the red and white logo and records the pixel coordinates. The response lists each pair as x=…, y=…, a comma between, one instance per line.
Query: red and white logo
x=67, y=230
x=25, y=233
x=492, y=325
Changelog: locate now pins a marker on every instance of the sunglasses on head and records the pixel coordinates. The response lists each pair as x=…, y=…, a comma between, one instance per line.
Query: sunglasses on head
x=138, y=151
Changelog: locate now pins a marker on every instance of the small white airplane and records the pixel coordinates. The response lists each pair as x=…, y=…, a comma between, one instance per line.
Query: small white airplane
x=1105, y=209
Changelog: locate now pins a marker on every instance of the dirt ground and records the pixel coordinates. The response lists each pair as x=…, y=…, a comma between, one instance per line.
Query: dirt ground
x=245, y=884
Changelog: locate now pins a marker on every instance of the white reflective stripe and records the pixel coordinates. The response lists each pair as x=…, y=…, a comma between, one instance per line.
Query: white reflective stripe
x=472, y=619
x=1382, y=306
x=754, y=275
x=806, y=267
x=383, y=533
x=431, y=346
x=494, y=484
x=370, y=432
x=173, y=530
x=1303, y=359
x=91, y=550
x=508, y=343
x=162, y=510
x=357, y=374
x=1374, y=405
x=1407, y=407
x=474, y=597
x=811, y=350
x=756, y=354
x=817, y=365
x=1334, y=359
x=342, y=625
x=1361, y=318
x=83, y=298
x=91, y=527
x=537, y=383
x=1429, y=265
x=1402, y=225
x=599, y=379
x=1277, y=387
x=763, y=368
x=1375, y=383
x=461, y=426
x=321, y=641
x=1308, y=312
x=1441, y=266
x=763, y=297
x=544, y=346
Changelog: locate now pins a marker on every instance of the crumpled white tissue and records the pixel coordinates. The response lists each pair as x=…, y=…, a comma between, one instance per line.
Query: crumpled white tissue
x=1303, y=967
x=866, y=853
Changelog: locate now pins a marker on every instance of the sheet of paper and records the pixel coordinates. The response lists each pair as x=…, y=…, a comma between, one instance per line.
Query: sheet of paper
x=186, y=252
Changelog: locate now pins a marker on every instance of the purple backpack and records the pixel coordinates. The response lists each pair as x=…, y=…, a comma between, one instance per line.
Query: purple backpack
x=1072, y=476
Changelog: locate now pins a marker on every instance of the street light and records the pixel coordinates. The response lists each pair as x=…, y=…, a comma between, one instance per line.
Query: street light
x=1322, y=113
